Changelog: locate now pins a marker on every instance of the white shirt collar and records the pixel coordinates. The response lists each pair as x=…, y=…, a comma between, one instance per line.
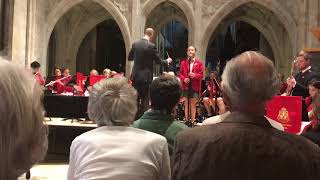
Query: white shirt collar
x=146, y=37
x=306, y=69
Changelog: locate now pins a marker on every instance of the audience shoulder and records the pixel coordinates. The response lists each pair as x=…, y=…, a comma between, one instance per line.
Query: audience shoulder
x=147, y=135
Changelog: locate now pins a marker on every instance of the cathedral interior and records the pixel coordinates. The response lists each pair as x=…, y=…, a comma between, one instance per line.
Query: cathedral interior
x=87, y=34
x=97, y=34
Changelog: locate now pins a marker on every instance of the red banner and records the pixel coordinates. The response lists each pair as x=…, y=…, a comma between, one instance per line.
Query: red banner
x=95, y=79
x=286, y=110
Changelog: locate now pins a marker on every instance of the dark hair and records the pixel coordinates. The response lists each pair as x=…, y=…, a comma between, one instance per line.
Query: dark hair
x=213, y=71
x=314, y=83
x=165, y=93
x=316, y=111
x=35, y=64
x=64, y=69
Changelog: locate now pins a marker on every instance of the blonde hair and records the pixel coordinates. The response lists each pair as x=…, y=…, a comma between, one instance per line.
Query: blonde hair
x=23, y=140
x=106, y=72
x=112, y=102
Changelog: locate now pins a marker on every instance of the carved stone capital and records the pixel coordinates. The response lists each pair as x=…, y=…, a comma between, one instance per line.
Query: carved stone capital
x=123, y=6
x=193, y=3
x=209, y=7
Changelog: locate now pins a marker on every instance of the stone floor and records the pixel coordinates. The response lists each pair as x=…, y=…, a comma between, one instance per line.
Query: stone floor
x=48, y=171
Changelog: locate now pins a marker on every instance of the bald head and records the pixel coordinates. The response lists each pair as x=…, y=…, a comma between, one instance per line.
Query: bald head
x=249, y=79
x=94, y=72
x=149, y=32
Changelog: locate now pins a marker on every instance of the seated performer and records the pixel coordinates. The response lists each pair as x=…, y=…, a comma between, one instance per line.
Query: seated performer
x=35, y=66
x=283, y=85
x=93, y=72
x=107, y=72
x=312, y=130
x=53, y=84
x=57, y=72
x=63, y=84
x=190, y=74
x=299, y=82
x=314, y=87
x=210, y=97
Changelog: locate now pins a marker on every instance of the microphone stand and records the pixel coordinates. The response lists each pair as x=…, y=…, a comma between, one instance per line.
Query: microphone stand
x=189, y=93
x=218, y=93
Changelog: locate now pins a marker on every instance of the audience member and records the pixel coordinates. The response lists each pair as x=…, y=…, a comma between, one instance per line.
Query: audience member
x=244, y=145
x=23, y=139
x=114, y=150
x=35, y=66
x=165, y=93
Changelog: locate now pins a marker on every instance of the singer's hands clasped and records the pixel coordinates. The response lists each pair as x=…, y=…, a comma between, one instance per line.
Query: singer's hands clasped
x=186, y=80
x=169, y=60
x=191, y=75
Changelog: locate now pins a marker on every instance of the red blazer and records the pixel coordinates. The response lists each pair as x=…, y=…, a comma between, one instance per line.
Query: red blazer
x=39, y=78
x=64, y=88
x=197, y=69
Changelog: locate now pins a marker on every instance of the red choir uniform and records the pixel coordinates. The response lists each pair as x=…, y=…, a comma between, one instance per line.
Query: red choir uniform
x=39, y=78
x=212, y=91
x=313, y=119
x=308, y=102
x=197, y=69
x=64, y=88
x=54, y=86
x=283, y=88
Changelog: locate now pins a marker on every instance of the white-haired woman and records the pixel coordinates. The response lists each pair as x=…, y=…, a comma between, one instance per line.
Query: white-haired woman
x=114, y=150
x=23, y=140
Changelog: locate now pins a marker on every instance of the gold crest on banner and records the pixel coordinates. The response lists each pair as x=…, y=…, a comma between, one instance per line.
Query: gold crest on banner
x=283, y=115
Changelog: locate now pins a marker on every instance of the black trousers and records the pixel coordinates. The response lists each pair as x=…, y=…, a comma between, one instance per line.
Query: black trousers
x=143, y=97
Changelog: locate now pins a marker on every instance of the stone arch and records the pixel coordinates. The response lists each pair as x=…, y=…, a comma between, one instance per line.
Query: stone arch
x=186, y=8
x=269, y=37
x=226, y=9
x=77, y=41
x=64, y=6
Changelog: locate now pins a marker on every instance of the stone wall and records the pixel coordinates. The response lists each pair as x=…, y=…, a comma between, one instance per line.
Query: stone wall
x=285, y=24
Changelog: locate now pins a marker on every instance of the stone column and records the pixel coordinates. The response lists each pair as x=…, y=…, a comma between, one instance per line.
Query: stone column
x=136, y=30
x=313, y=21
x=1, y=24
x=20, y=26
x=198, y=32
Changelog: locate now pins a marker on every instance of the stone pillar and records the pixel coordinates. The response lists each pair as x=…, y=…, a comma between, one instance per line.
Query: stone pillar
x=20, y=26
x=1, y=25
x=198, y=32
x=313, y=21
x=137, y=29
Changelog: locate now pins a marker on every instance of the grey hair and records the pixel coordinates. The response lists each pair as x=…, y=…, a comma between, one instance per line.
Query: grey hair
x=112, y=102
x=249, y=79
x=23, y=140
